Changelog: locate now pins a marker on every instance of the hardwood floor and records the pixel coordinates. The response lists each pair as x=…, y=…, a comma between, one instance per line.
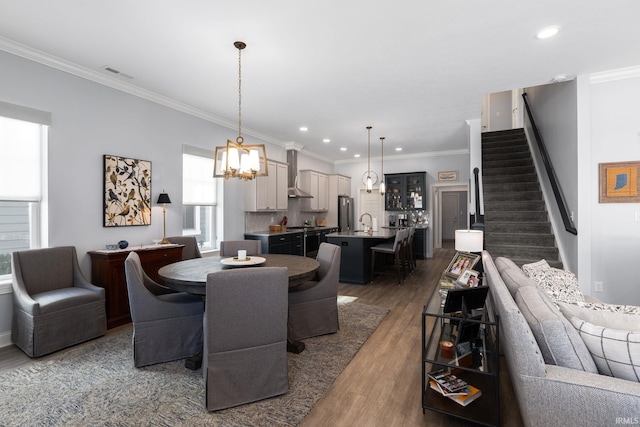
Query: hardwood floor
x=381, y=386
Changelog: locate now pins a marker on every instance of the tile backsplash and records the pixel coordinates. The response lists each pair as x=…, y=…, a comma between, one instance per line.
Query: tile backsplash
x=260, y=221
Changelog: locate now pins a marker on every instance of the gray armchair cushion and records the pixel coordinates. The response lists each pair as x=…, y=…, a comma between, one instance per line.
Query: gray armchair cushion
x=245, y=336
x=167, y=325
x=231, y=247
x=313, y=306
x=54, y=305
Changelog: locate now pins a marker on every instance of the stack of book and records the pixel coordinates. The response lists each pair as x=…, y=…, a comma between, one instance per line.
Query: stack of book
x=456, y=389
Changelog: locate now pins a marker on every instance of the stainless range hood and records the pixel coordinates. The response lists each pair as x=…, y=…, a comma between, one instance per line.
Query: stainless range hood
x=292, y=178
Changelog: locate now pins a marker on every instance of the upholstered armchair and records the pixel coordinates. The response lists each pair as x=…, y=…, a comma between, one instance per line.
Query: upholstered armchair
x=54, y=306
x=313, y=306
x=190, y=250
x=245, y=335
x=231, y=247
x=167, y=325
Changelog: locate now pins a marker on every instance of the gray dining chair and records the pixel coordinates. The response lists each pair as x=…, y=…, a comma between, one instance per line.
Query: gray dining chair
x=245, y=336
x=167, y=325
x=190, y=250
x=313, y=305
x=231, y=247
x=54, y=306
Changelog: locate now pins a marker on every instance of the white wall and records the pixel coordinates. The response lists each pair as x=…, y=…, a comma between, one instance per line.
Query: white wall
x=555, y=112
x=584, y=123
x=615, y=137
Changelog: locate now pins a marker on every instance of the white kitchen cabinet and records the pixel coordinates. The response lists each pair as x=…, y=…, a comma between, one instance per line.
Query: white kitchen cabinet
x=315, y=183
x=269, y=193
x=344, y=185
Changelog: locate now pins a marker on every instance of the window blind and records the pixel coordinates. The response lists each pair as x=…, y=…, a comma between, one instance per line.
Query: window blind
x=198, y=185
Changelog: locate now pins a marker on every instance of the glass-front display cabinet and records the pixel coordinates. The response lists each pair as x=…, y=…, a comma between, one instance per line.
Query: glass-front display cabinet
x=405, y=191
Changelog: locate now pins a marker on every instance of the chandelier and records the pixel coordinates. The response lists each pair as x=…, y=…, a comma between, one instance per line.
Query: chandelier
x=236, y=160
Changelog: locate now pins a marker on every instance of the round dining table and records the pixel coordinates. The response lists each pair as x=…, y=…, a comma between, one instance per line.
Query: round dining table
x=191, y=276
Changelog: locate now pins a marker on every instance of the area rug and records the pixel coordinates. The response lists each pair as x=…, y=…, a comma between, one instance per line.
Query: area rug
x=95, y=383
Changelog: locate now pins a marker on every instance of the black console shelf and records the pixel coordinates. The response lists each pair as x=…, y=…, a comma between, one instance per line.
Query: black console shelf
x=476, y=361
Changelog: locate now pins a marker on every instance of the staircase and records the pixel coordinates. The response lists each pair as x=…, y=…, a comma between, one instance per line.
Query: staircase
x=516, y=221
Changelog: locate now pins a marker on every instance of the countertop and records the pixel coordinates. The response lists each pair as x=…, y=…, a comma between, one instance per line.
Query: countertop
x=289, y=231
x=398, y=227
x=380, y=234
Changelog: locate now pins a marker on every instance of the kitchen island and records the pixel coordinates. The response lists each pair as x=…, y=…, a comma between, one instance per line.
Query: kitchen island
x=355, y=258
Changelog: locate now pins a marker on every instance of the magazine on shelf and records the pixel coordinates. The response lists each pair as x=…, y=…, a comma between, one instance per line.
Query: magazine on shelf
x=472, y=393
x=448, y=382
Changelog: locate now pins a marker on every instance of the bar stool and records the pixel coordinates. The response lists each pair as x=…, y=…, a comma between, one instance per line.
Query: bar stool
x=411, y=253
x=394, y=248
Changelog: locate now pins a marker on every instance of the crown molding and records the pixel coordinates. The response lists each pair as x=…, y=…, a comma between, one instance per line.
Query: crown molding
x=613, y=75
x=422, y=155
x=99, y=77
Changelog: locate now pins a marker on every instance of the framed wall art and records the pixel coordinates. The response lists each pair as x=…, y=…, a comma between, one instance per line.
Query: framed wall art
x=448, y=176
x=619, y=182
x=127, y=192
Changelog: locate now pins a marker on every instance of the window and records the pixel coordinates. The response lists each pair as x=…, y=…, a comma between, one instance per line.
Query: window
x=23, y=135
x=199, y=198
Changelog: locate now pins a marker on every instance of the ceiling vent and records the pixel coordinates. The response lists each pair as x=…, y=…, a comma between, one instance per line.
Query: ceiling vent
x=116, y=72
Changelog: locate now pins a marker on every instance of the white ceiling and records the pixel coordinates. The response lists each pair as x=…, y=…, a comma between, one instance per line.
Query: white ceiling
x=415, y=70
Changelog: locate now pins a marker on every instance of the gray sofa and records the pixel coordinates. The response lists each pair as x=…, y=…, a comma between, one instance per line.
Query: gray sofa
x=553, y=374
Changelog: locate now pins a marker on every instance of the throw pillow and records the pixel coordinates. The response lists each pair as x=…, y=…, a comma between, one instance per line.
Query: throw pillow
x=561, y=285
x=535, y=267
x=614, y=308
x=606, y=315
x=616, y=353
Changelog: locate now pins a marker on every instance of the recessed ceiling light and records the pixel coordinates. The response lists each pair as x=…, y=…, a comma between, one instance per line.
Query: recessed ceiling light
x=304, y=128
x=326, y=140
x=356, y=155
x=398, y=148
x=343, y=148
x=545, y=33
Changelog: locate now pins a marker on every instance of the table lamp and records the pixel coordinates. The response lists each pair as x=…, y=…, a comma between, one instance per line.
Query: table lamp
x=469, y=240
x=163, y=199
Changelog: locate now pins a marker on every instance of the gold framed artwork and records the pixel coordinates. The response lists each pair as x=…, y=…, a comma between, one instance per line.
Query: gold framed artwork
x=448, y=176
x=127, y=192
x=619, y=182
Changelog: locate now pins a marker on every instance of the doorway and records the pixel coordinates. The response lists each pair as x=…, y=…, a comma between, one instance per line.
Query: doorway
x=450, y=215
x=450, y=212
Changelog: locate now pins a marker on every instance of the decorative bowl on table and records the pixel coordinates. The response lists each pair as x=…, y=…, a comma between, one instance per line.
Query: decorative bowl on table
x=111, y=247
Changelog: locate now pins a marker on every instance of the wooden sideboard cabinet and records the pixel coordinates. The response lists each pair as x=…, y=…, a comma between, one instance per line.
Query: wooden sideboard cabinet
x=107, y=271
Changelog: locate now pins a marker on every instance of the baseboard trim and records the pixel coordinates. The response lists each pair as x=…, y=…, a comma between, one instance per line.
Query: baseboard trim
x=5, y=339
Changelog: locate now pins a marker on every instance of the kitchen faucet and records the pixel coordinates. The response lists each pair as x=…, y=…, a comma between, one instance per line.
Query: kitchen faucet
x=370, y=221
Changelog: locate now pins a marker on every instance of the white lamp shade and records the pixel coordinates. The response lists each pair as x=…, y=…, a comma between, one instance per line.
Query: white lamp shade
x=233, y=158
x=469, y=240
x=254, y=160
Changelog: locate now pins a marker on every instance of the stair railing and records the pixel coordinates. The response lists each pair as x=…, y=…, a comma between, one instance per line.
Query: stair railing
x=478, y=223
x=553, y=179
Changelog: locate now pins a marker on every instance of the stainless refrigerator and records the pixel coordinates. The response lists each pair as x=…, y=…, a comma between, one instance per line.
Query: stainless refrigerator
x=345, y=214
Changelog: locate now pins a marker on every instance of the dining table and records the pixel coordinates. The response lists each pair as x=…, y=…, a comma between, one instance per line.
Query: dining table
x=191, y=276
